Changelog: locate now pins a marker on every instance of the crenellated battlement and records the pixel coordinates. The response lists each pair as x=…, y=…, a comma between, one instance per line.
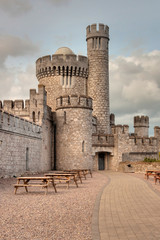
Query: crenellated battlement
x=73, y=101
x=152, y=141
x=93, y=31
x=141, y=121
x=105, y=140
x=120, y=129
x=157, y=131
x=11, y=123
x=9, y=105
x=61, y=64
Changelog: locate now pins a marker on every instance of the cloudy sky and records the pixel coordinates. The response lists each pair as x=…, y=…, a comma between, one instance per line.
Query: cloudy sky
x=31, y=29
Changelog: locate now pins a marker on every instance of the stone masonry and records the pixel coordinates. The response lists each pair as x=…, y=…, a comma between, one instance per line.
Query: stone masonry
x=67, y=124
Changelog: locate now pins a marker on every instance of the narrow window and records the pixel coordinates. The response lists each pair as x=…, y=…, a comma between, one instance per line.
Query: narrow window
x=64, y=117
x=27, y=159
x=96, y=43
x=83, y=146
x=67, y=73
x=39, y=116
x=63, y=73
x=54, y=70
x=33, y=117
x=92, y=42
x=59, y=70
x=99, y=42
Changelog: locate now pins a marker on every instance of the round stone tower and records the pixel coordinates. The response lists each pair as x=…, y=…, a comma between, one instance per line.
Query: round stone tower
x=74, y=132
x=141, y=126
x=98, y=78
x=63, y=73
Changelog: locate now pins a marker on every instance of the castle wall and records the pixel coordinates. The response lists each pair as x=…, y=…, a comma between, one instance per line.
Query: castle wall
x=24, y=146
x=74, y=131
x=20, y=145
x=157, y=135
x=136, y=148
x=32, y=109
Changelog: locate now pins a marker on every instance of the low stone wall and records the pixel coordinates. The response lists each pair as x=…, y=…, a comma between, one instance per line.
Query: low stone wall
x=138, y=167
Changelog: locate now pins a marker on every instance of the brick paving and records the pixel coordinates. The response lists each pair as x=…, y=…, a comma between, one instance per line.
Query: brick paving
x=127, y=209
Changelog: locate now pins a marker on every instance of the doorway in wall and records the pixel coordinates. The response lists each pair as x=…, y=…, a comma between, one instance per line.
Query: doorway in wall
x=101, y=161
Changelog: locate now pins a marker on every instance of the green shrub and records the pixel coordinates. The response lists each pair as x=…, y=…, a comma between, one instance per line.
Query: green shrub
x=151, y=160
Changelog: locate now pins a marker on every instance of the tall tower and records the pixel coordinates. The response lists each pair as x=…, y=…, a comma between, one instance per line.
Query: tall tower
x=98, y=79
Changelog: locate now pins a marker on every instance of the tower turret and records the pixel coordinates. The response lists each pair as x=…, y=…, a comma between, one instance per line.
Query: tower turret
x=63, y=73
x=141, y=125
x=98, y=79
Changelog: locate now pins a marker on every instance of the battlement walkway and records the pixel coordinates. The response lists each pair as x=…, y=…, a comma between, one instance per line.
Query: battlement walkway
x=126, y=209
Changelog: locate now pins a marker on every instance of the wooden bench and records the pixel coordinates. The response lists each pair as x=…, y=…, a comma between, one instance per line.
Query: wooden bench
x=66, y=177
x=150, y=173
x=43, y=182
x=83, y=172
x=157, y=177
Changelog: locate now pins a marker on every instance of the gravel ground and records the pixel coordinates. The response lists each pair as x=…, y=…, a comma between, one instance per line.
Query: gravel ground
x=55, y=216
x=36, y=216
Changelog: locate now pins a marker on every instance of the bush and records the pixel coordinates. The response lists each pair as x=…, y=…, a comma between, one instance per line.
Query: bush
x=151, y=160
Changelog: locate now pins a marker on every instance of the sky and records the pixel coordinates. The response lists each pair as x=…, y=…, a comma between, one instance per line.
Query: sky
x=31, y=29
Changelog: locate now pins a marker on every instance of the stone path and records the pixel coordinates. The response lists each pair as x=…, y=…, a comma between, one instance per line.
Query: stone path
x=127, y=209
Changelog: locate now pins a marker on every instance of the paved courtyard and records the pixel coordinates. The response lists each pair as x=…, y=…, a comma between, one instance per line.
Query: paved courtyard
x=127, y=208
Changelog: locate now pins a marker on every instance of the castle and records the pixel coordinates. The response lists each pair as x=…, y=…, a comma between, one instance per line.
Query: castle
x=67, y=124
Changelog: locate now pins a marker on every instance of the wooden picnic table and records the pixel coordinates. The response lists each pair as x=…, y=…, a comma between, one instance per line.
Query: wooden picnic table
x=83, y=172
x=151, y=173
x=157, y=177
x=43, y=182
x=64, y=177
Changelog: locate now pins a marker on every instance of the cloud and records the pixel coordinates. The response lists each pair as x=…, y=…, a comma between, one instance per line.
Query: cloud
x=15, y=46
x=15, y=7
x=135, y=86
x=15, y=76
x=17, y=82
x=59, y=2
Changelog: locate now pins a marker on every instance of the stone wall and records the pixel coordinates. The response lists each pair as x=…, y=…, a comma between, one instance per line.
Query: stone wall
x=32, y=109
x=25, y=146
x=54, y=88
x=125, y=144
x=20, y=145
x=138, y=167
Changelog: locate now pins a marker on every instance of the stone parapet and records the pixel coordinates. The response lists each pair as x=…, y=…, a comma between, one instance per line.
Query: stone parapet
x=92, y=31
x=14, y=124
x=73, y=101
x=64, y=65
x=103, y=140
x=152, y=141
x=120, y=129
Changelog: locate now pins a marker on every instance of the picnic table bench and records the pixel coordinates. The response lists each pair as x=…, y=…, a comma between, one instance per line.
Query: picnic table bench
x=66, y=177
x=83, y=172
x=43, y=182
x=157, y=177
x=151, y=173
